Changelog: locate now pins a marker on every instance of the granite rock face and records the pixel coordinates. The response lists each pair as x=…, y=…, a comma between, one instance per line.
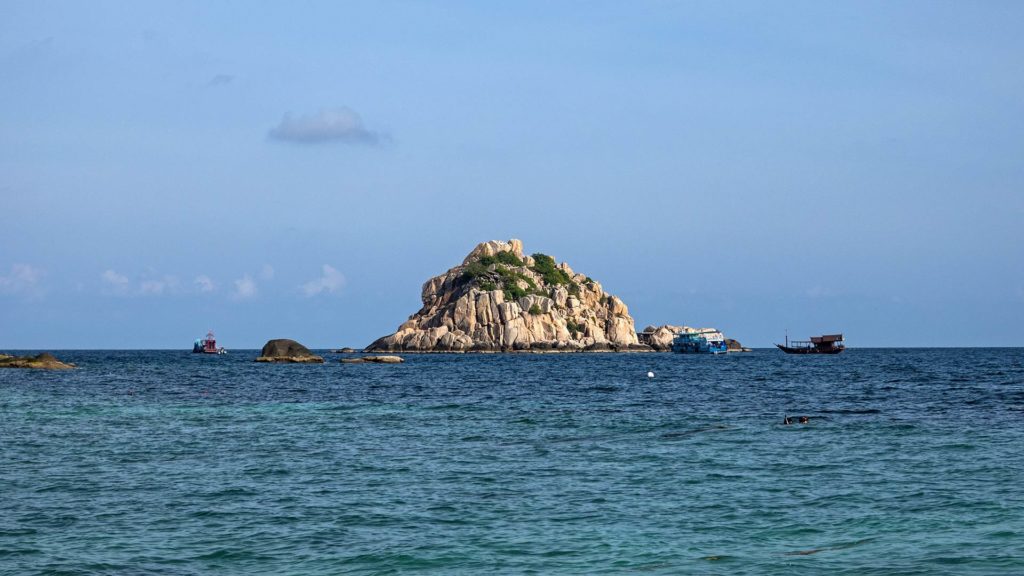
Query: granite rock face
x=660, y=337
x=501, y=300
x=289, y=351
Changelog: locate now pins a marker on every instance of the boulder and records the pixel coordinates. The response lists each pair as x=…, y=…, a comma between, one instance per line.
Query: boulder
x=660, y=337
x=501, y=300
x=374, y=360
x=345, y=350
x=287, y=351
x=44, y=361
x=735, y=346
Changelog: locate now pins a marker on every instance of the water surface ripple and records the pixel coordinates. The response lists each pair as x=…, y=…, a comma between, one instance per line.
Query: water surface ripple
x=172, y=463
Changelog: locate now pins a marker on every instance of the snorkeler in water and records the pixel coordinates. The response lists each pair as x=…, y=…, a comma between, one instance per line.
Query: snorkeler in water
x=786, y=421
x=805, y=420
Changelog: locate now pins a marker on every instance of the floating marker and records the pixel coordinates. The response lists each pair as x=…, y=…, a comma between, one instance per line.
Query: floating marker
x=650, y=374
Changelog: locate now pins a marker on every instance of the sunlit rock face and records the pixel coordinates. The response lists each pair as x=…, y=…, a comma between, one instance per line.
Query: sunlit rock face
x=501, y=300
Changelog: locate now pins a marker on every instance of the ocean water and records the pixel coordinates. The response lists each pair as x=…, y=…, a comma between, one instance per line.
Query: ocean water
x=172, y=463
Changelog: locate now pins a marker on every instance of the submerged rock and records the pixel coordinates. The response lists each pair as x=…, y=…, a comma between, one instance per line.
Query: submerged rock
x=501, y=300
x=44, y=361
x=285, y=350
x=374, y=360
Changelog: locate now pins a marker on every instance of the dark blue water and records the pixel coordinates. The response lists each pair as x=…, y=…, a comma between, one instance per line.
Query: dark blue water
x=173, y=463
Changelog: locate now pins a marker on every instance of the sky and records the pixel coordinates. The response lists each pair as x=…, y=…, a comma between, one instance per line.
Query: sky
x=299, y=169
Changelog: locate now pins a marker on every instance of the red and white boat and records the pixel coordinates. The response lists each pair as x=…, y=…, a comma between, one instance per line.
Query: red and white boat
x=207, y=345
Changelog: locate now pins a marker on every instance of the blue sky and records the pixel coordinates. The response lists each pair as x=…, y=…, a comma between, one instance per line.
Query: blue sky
x=298, y=170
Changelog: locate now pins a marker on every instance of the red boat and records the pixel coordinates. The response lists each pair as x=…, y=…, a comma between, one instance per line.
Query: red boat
x=207, y=345
x=827, y=344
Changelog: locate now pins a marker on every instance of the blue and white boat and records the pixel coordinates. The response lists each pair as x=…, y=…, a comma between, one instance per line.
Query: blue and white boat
x=704, y=341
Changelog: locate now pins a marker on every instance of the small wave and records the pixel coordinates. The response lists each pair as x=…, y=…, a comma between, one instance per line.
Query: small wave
x=7, y=552
x=688, y=433
x=841, y=546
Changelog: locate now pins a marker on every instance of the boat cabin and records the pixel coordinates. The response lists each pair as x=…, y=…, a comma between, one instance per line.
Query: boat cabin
x=822, y=344
x=708, y=341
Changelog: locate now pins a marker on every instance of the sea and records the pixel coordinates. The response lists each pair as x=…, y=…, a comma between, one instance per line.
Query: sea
x=167, y=462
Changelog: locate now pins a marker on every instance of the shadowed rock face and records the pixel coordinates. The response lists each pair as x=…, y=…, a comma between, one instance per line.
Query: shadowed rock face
x=285, y=350
x=501, y=300
x=44, y=361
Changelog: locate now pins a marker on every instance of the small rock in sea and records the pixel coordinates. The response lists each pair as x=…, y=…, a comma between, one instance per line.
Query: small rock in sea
x=374, y=360
x=44, y=361
x=345, y=350
x=287, y=351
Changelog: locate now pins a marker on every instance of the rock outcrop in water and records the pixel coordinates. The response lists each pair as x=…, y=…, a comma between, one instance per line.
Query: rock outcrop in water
x=374, y=360
x=500, y=300
x=660, y=337
x=44, y=361
x=285, y=350
x=735, y=346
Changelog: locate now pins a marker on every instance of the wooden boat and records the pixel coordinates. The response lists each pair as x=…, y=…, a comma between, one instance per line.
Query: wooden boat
x=826, y=344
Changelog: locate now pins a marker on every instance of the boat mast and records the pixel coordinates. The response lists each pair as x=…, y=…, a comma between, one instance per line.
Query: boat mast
x=787, y=337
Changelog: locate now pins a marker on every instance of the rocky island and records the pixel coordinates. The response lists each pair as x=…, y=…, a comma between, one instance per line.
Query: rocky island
x=283, y=350
x=501, y=300
x=44, y=361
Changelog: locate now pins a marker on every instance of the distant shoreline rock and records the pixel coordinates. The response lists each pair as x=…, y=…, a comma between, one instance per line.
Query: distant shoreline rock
x=500, y=300
x=374, y=360
x=283, y=350
x=44, y=361
x=660, y=338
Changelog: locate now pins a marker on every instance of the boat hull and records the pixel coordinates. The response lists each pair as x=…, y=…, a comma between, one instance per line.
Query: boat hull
x=790, y=350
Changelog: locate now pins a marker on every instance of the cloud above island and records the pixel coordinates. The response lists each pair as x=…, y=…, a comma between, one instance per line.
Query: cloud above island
x=245, y=288
x=328, y=125
x=329, y=282
x=204, y=283
x=150, y=284
x=23, y=279
x=115, y=282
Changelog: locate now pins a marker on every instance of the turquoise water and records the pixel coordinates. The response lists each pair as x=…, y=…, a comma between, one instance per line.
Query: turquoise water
x=173, y=463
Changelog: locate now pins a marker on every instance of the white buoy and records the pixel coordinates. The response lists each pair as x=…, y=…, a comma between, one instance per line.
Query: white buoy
x=650, y=374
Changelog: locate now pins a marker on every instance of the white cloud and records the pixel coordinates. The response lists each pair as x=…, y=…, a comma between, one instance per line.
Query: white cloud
x=204, y=283
x=158, y=286
x=117, y=282
x=267, y=273
x=150, y=285
x=23, y=279
x=245, y=288
x=328, y=125
x=329, y=282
